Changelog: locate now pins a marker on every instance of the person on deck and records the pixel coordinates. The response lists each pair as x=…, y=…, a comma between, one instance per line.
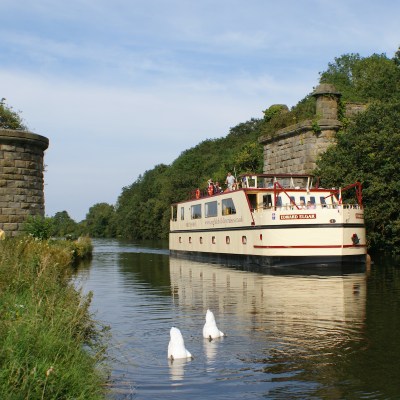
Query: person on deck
x=217, y=188
x=230, y=181
x=310, y=205
x=210, y=188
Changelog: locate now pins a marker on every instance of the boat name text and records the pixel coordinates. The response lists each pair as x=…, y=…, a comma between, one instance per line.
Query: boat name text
x=298, y=216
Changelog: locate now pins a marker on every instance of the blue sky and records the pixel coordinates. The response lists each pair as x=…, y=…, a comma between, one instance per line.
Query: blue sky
x=121, y=86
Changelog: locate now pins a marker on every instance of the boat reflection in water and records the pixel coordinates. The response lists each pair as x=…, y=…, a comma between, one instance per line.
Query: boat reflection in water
x=287, y=323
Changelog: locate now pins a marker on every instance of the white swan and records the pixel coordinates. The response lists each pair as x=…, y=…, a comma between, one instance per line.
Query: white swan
x=176, y=346
x=210, y=330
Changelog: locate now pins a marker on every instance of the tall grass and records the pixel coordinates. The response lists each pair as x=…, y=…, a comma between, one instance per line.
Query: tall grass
x=50, y=346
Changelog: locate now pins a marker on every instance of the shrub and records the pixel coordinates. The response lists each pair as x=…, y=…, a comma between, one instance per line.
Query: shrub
x=38, y=227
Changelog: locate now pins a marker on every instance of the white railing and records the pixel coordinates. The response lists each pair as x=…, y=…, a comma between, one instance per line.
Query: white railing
x=318, y=206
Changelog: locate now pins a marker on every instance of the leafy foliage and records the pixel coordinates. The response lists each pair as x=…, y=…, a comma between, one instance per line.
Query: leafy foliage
x=278, y=117
x=369, y=152
x=39, y=227
x=100, y=221
x=364, y=79
x=368, y=149
x=64, y=226
x=10, y=119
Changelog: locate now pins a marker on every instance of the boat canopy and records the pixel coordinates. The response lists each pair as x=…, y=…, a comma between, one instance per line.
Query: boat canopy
x=293, y=181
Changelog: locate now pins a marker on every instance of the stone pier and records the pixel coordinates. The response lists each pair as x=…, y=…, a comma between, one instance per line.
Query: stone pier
x=21, y=178
x=295, y=149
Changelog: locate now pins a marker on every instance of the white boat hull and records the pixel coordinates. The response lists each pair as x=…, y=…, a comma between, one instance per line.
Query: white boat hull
x=270, y=236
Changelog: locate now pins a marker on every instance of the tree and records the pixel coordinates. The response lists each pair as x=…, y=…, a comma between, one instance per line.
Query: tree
x=64, y=225
x=364, y=79
x=369, y=152
x=100, y=220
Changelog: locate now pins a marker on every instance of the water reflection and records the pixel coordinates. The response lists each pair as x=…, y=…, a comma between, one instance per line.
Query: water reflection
x=290, y=328
x=177, y=368
x=328, y=300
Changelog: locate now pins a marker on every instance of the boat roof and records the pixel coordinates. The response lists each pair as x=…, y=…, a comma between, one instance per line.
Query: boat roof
x=286, y=175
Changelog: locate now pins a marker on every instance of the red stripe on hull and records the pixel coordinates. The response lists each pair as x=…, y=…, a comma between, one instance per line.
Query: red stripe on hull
x=347, y=246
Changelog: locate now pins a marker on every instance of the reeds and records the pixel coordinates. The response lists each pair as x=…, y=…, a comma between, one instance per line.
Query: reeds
x=50, y=346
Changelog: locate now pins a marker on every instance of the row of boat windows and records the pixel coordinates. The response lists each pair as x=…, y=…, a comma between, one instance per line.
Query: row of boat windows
x=210, y=209
x=312, y=200
x=213, y=239
x=228, y=207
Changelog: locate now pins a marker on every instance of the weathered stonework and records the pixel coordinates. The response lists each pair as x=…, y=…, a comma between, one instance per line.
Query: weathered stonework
x=354, y=108
x=296, y=148
x=21, y=178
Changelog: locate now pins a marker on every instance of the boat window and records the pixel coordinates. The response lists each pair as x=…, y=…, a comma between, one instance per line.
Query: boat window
x=211, y=209
x=312, y=199
x=182, y=213
x=196, y=211
x=228, y=207
x=293, y=201
x=253, y=201
x=213, y=240
x=201, y=240
x=323, y=201
x=190, y=239
x=174, y=212
x=227, y=239
x=244, y=239
x=267, y=201
x=252, y=181
x=279, y=201
x=303, y=198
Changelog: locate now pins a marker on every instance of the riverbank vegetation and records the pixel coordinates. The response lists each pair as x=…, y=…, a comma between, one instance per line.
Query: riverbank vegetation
x=367, y=150
x=50, y=345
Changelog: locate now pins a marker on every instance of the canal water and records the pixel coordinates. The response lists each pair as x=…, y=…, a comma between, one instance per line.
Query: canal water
x=304, y=336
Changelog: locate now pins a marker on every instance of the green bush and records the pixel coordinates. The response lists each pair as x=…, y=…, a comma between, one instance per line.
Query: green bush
x=39, y=227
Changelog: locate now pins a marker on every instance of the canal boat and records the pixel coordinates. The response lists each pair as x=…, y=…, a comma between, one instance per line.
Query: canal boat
x=271, y=220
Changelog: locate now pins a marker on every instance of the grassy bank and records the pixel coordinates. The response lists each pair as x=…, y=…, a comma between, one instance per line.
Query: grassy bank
x=50, y=346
